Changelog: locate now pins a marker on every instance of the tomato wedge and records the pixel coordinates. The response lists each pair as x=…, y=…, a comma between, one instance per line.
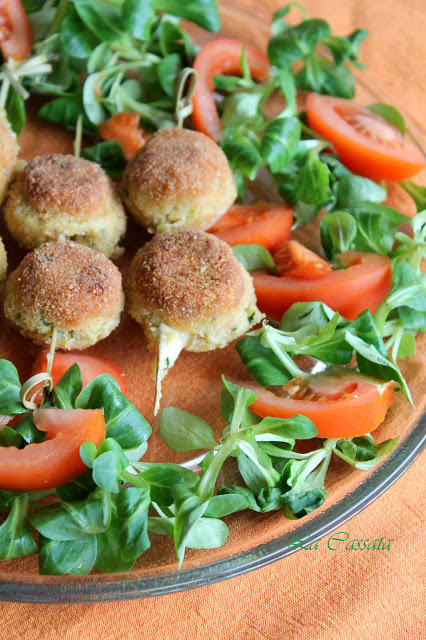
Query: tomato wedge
x=363, y=285
x=343, y=405
x=16, y=36
x=264, y=223
x=222, y=56
x=57, y=460
x=90, y=366
x=124, y=128
x=366, y=143
x=296, y=261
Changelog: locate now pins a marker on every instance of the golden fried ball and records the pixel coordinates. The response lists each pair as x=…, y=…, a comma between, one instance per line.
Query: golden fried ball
x=67, y=286
x=191, y=282
x=3, y=261
x=8, y=154
x=188, y=291
x=179, y=178
x=59, y=198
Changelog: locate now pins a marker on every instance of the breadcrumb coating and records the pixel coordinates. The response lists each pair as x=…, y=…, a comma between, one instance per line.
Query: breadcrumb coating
x=179, y=178
x=68, y=286
x=61, y=197
x=74, y=184
x=191, y=281
x=186, y=275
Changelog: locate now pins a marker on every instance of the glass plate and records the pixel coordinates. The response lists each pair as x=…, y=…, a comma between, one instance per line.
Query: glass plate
x=194, y=384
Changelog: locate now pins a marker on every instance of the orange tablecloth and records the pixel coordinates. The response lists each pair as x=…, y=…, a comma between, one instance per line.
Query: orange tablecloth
x=318, y=594
x=312, y=595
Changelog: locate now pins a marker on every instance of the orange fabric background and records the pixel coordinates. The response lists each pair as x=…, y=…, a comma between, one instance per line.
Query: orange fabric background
x=312, y=595
x=319, y=594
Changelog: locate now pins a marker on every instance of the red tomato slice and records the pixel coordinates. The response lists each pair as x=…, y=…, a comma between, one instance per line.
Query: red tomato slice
x=57, y=460
x=296, y=261
x=90, y=366
x=124, y=128
x=341, y=406
x=366, y=143
x=262, y=223
x=16, y=36
x=220, y=57
x=363, y=285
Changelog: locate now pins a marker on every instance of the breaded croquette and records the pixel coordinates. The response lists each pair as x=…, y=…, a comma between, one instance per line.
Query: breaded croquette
x=67, y=286
x=3, y=261
x=178, y=179
x=188, y=291
x=8, y=154
x=60, y=198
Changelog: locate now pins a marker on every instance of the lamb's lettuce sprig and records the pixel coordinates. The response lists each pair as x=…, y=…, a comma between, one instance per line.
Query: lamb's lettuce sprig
x=374, y=228
x=365, y=226
x=103, y=517
x=301, y=488
x=307, y=173
x=325, y=56
x=14, y=76
x=99, y=57
x=402, y=314
x=89, y=504
x=313, y=329
x=275, y=476
x=315, y=179
x=241, y=439
x=251, y=140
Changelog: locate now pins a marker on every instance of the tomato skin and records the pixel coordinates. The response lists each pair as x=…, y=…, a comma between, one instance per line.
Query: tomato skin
x=90, y=366
x=343, y=418
x=16, y=36
x=264, y=223
x=361, y=154
x=55, y=461
x=363, y=285
x=222, y=56
x=124, y=128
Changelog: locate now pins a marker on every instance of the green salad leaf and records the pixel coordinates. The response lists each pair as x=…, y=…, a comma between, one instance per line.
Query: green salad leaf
x=76, y=557
x=330, y=339
x=182, y=431
x=15, y=537
x=254, y=256
x=365, y=226
x=306, y=42
x=10, y=401
x=389, y=113
x=123, y=421
x=362, y=452
x=109, y=155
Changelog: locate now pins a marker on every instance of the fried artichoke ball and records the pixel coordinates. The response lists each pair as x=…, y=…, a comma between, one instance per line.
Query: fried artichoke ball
x=67, y=286
x=3, y=261
x=179, y=178
x=8, y=154
x=59, y=198
x=188, y=291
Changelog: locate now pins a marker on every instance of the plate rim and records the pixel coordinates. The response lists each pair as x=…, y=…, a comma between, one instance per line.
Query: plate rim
x=78, y=589
x=74, y=591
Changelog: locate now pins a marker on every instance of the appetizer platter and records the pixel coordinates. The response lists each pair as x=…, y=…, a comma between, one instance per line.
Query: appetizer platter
x=214, y=295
